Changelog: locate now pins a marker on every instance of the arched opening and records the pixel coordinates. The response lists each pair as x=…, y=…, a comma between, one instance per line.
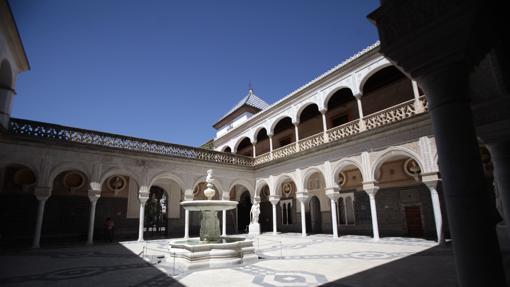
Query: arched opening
x=6, y=75
x=284, y=133
x=262, y=145
x=155, y=218
x=342, y=108
x=386, y=88
x=315, y=215
x=353, y=205
x=288, y=219
x=227, y=149
x=67, y=211
x=404, y=205
x=310, y=121
x=18, y=206
x=243, y=212
x=266, y=211
x=119, y=202
x=245, y=147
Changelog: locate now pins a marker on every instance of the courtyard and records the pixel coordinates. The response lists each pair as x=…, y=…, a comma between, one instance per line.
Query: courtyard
x=285, y=260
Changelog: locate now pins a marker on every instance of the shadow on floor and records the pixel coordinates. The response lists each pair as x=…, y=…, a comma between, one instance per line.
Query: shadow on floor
x=432, y=267
x=103, y=265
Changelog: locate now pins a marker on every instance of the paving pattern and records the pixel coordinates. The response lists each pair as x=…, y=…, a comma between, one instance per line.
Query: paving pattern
x=285, y=260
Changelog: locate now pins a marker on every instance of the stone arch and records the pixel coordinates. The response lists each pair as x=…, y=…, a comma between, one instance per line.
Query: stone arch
x=257, y=131
x=239, y=141
x=167, y=175
x=281, y=179
x=332, y=92
x=226, y=148
x=58, y=169
x=392, y=152
x=376, y=68
x=304, y=106
x=259, y=185
x=245, y=184
x=342, y=164
x=6, y=75
x=24, y=162
x=277, y=120
x=119, y=171
x=309, y=172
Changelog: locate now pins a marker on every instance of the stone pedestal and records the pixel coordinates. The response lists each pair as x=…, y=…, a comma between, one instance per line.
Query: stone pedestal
x=254, y=229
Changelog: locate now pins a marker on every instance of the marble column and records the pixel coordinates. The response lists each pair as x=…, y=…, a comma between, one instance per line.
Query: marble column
x=94, y=194
x=362, y=125
x=324, y=124
x=42, y=194
x=500, y=155
x=296, y=131
x=333, y=194
x=436, y=204
x=469, y=205
x=143, y=196
x=418, y=105
x=270, y=145
x=186, y=223
x=6, y=95
x=254, y=149
x=371, y=189
x=223, y=223
x=303, y=199
x=274, y=201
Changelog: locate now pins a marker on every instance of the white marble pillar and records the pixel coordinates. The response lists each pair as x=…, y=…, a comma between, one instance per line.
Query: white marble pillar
x=224, y=223
x=418, y=105
x=270, y=145
x=186, y=223
x=371, y=190
x=42, y=194
x=296, y=131
x=303, y=199
x=6, y=95
x=254, y=149
x=436, y=207
x=324, y=124
x=333, y=195
x=94, y=194
x=362, y=125
x=274, y=201
x=143, y=196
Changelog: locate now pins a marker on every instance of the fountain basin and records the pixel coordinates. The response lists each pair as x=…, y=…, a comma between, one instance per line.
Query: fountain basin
x=195, y=254
x=209, y=205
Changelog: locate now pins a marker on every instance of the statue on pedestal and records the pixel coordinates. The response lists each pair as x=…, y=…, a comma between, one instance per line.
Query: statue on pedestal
x=255, y=212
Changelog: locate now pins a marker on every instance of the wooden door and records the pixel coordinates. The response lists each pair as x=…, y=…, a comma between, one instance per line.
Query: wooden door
x=413, y=220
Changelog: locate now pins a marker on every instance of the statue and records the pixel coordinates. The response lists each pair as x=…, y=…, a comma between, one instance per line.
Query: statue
x=254, y=213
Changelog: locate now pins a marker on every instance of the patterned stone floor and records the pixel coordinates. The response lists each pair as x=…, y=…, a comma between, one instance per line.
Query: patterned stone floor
x=286, y=260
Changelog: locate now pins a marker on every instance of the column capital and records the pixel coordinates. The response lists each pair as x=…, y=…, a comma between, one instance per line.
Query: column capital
x=358, y=95
x=333, y=193
x=302, y=197
x=370, y=187
x=323, y=110
x=270, y=134
x=295, y=123
x=254, y=142
x=42, y=192
x=143, y=194
x=274, y=199
x=430, y=179
x=94, y=192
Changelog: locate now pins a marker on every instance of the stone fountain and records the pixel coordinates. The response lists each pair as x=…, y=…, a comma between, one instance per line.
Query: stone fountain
x=211, y=249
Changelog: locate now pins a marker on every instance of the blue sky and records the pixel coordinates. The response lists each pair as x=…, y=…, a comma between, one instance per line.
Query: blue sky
x=168, y=70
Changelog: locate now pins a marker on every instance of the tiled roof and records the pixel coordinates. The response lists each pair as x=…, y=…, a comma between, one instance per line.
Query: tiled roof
x=251, y=100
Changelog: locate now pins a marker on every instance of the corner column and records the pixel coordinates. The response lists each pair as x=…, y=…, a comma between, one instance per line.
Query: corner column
x=94, y=194
x=371, y=189
x=462, y=176
x=500, y=154
x=143, y=196
x=42, y=194
x=333, y=194
x=303, y=199
x=274, y=201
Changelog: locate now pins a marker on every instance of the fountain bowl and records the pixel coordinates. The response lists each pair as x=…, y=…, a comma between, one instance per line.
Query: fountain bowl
x=209, y=205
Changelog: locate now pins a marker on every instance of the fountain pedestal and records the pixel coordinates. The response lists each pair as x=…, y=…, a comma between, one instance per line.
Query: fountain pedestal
x=209, y=226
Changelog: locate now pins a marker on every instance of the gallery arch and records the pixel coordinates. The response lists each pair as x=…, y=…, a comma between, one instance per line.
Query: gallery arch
x=342, y=108
x=245, y=147
x=310, y=121
x=284, y=133
x=262, y=145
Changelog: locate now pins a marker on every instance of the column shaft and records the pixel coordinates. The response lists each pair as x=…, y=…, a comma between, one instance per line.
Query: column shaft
x=92, y=218
x=303, y=219
x=373, y=213
x=274, y=219
x=141, y=222
x=186, y=223
x=333, y=218
x=438, y=218
x=224, y=223
x=39, y=222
